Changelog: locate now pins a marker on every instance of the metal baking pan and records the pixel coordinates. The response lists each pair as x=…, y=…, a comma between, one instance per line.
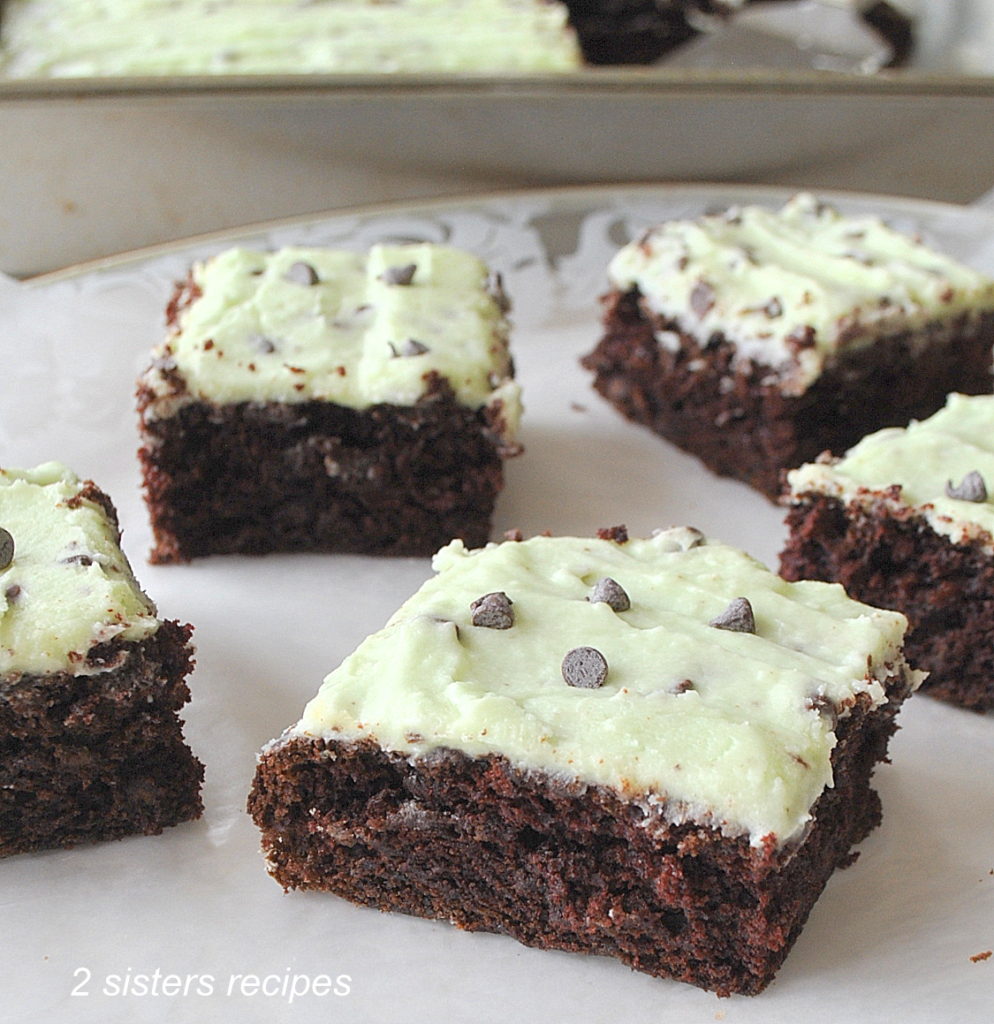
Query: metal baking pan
x=95, y=166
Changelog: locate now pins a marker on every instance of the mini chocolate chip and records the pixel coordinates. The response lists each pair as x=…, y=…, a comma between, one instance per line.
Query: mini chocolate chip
x=76, y=560
x=301, y=273
x=6, y=549
x=399, y=275
x=702, y=298
x=409, y=348
x=585, y=667
x=737, y=617
x=970, y=488
x=611, y=593
x=682, y=687
x=493, y=611
x=13, y=592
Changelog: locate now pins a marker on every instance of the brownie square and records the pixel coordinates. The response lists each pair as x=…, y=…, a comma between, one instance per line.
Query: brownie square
x=654, y=750
x=904, y=520
x=323, y=400
x=756, y=339
x=91, y=681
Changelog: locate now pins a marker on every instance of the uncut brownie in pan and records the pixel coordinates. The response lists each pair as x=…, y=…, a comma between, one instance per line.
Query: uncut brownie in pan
x=905, y=520
x=60, y=38
x=756, y=339
x=91, y=680
x=324, y=400
x=655, y=750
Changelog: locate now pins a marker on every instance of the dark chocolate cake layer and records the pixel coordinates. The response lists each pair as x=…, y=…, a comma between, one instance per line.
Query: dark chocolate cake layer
x=88, y=757
x=316, y=476
x=744, y=427
x=492, y=848
x=945, y=589
x=644, y=31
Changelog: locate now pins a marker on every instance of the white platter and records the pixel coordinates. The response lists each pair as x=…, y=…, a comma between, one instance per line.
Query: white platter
x=891, y=938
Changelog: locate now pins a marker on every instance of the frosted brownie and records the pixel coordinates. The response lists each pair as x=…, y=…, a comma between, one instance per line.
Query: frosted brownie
x=756, y=339
x=655, y=750
x=91, y=680
x=905, y=520
x=324, y=400
x=64, y=38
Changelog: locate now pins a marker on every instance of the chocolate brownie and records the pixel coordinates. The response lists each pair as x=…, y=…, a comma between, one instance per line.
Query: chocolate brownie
x=323, y=400
x=91, y=681
x=905, y=520
x=645, y=31
x=655, y=750
x=756, y=339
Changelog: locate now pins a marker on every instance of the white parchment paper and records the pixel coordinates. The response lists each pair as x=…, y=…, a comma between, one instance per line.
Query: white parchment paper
x=188, y=926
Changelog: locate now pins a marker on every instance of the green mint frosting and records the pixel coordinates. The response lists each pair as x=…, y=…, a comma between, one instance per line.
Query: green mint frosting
x=69, y=585
x=766, y=278
x=60, y=38
x=694, y=721
x=340, y=326
x=923, y=459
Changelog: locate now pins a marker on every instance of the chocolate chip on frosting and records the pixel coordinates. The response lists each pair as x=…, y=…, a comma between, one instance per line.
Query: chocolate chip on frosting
x=84, y=560
x=970, y=488
x=6, y=548
x=261, y=343
x=493, y=611
x=301, y=273
x=399, y=275
x=737, y=617
x=409, y=348
x=585, y=667
x=610, y=592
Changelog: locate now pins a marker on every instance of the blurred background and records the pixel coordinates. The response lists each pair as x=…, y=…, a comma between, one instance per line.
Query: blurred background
x=92, y=166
